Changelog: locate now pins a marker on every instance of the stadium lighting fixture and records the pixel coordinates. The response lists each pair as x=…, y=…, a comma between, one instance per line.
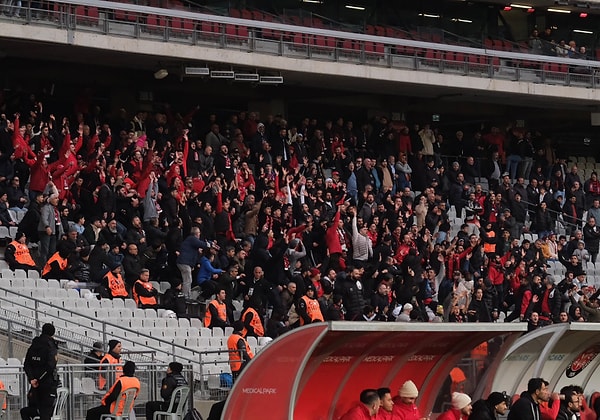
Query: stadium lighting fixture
x=520, y=6
x=312, y=1
x=462, y=20
x=161, y=74
x=247, y=77
x=217, y=74
x=271, y=80
x=349, y=6
x=197, y=71
x=583, y=31
x=559, y=11
x=427, y=15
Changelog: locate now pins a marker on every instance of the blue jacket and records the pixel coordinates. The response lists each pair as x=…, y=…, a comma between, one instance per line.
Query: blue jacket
x=206, y=270
x=188, y=253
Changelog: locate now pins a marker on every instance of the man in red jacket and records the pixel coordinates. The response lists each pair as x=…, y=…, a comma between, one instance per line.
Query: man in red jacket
x=461, y=408
x=404, y=404
x=367, y=409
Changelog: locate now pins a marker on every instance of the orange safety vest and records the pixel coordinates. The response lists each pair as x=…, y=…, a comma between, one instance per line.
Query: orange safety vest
x=312, y=309
x=22, y=255
x=116, y=285
x=221, y=310
x=490, y=248
x=255, y=323
x=62, y=263
x=127, y=382
x=144, y=300
x=111, y=361
x=235, y=358
x=5, y=401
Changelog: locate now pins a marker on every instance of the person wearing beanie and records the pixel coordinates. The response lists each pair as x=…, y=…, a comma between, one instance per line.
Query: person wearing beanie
x=113, y=357
x=461, y=408
x=113, y=284
x=174, y=298
x=495, y=406
x=40, y=368
x=123, y=383
x=17, y=254
x=240, y=353
x=308, y=308
x=404, y=403
x=404, y=316
x=527, y=407
x=95, y=355
x=174, y=379
x=315, y=279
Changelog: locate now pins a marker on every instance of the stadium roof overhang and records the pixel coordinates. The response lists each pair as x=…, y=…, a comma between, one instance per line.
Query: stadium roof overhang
x=318, y=371
x=562, y=354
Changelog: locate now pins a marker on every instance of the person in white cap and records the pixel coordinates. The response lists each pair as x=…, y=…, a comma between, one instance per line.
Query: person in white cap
x=404, y=316
x=404, y=403
x=461, y=408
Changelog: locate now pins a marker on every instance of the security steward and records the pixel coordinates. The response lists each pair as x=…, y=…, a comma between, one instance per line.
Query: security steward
x=216, y=311
x=57, y=266
x=113, y=358
x=174, y=379
x=114, y=284
x=240, y=353
x=309, y=309
x=144, y=293
x=127, y=381
x=252, y=323
x=40, y=368
x=17, y=254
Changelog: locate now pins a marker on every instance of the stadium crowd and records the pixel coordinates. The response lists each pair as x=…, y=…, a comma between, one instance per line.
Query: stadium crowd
x=320, y=220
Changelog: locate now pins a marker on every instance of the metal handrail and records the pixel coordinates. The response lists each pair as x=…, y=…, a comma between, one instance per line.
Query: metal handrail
x=40, y=305
x=340, y=35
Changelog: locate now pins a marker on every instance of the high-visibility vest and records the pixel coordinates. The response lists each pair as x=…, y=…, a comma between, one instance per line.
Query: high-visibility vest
x=235, y=358
x=111, y=361
x=312, y=309
x=255, y=323
x=62, y=263
x=489, y=248
x=116, y=285
x=127, y=382
x=221, y=310
x=144, y=300
x=2, y=387
x=22, y=255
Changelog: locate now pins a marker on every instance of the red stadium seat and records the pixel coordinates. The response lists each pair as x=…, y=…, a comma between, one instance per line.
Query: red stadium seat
x=93, y=15
x=235, y=13
x=242, y=32
x=188, y=26
x=246, y=14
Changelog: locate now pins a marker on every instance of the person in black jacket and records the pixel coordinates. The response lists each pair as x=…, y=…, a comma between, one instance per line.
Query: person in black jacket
x=174, y=379
x=40, y=368
x=570, y=406
x=528, y=406
x=174, y=298
x=351, y=290
x=495, y=406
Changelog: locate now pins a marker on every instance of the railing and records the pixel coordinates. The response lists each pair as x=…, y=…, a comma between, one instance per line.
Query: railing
x=81, y=381
x=191, y=28
x=76, y=338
